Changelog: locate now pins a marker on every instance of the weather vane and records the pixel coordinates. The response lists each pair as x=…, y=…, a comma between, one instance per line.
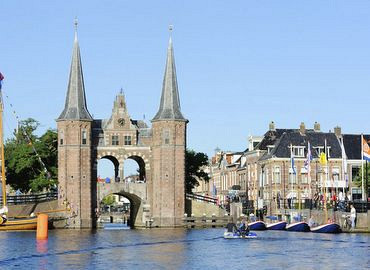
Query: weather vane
x=76, y=23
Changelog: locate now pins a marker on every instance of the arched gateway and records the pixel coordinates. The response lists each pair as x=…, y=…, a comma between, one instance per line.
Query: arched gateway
x=159, y=151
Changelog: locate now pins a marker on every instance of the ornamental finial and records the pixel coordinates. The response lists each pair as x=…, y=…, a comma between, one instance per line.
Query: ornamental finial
x=76, y=23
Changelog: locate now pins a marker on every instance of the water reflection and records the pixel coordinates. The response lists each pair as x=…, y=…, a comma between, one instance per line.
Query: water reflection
x=181, y=249
x=42, y=248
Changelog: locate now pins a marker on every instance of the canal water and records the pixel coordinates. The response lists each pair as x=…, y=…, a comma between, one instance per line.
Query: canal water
x=182, y=249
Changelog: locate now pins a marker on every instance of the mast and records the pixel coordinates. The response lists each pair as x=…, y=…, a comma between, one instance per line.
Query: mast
x=325, y=183
x=362, y=168
x=3, y=179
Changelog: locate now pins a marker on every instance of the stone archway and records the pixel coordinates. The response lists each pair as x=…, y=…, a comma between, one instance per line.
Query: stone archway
x=115, y=162
x=135, y=193
x=135, y=203
x=142, y=166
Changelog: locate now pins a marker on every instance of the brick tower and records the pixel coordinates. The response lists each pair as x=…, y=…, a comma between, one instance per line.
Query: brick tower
x=76, y=169
x=168, y=152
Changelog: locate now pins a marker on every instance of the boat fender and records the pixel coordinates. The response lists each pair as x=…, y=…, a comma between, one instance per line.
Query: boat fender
x=2, y=219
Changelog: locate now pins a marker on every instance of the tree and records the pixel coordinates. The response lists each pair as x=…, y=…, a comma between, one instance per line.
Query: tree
x=31, y=161
x=194, y=169
x=357, y=178
x=108, y=200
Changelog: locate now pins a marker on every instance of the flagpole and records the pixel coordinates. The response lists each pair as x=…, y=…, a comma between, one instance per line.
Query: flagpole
x=291, y=165
x=325, y=186
x=362, y=167
x=343, y=164
x=309, y=156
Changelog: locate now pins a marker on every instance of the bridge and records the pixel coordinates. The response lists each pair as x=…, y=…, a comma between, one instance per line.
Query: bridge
x=136, y=193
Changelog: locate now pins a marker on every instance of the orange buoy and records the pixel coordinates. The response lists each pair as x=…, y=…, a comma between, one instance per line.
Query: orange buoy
x=42, y=227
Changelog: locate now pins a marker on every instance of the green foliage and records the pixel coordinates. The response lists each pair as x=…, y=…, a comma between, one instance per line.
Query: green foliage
x=194, y=169
x=108, y=200
x=24, y=169
x=357, y=178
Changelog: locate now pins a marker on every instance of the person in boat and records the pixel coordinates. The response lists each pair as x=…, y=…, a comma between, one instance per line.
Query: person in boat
x=243, y=227
x=231, y=227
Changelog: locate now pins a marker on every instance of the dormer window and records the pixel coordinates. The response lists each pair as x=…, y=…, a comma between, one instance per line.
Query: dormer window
x=320, y=149
x=270, y=148
x=298, y=151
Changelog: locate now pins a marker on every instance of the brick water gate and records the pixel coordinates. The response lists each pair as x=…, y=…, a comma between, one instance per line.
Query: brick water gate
x=159, y=151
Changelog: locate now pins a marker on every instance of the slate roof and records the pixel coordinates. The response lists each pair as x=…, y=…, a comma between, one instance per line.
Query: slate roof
x=75, y=105
x=295, y=138
x=271, y=136
x=169, y=108
x=352, y=145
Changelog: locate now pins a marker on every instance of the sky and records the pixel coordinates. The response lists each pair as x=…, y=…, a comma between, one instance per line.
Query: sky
x=240, y=64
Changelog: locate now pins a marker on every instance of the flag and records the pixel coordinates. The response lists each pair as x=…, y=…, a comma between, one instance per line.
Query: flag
x=214, y=190
x=365, y=150
x=307, y=162
x=323, y=158
x=292, y=159
x=1, y=79
x=344, y=162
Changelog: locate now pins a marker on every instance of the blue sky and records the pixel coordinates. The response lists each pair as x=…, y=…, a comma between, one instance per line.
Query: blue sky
x=240, y=64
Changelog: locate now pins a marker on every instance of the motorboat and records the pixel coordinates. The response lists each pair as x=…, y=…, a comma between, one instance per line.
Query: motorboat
x=257, y=226
x=298, y=227
x=237, y=235
x=277, y=226
x=327, y=228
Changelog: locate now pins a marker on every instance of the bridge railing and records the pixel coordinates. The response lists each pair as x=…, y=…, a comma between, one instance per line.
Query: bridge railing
x=30, y=198
x=209, y=199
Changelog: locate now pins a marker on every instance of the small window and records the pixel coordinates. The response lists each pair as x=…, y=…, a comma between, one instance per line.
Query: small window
x=128, y=140
x=166, y=136
x=84, y=137
x=61, y=136
x=115, y=140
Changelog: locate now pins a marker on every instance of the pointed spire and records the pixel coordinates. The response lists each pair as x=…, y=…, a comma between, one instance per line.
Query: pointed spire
x=75, y=106
x=169, y=108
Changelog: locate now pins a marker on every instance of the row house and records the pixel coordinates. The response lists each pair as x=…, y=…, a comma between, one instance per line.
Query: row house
x=264, y=174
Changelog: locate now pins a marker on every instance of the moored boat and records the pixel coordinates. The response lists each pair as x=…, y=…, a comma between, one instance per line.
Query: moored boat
x=18, y=224
x=257, y=226
x=327, y=228
x=298, y=227
x=21, y=223
x=277, y=226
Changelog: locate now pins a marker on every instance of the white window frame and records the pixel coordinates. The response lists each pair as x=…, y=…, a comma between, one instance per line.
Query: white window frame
x=276, y=178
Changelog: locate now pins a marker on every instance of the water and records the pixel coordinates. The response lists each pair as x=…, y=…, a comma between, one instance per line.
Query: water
x=182, y=249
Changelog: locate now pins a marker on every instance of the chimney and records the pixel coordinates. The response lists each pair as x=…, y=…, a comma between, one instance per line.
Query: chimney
x=302, y=128
x=338, y=131
x=316, y=127
x=272, y=126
